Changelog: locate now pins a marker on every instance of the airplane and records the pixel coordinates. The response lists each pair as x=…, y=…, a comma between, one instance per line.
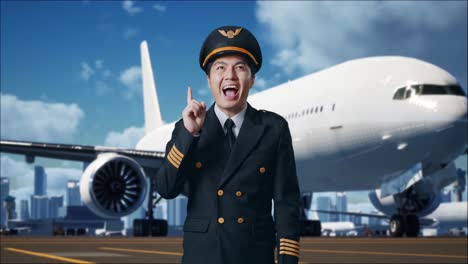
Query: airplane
x=389, y=123
x=448, y=215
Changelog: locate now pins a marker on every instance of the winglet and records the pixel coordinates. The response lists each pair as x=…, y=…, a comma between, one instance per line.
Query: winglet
x=153, y=118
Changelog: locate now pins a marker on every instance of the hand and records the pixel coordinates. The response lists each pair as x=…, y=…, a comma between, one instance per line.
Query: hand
x=193, y=114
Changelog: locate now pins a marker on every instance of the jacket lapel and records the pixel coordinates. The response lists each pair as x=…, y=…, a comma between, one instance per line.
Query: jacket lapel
x=212, y=132
x=250, y=133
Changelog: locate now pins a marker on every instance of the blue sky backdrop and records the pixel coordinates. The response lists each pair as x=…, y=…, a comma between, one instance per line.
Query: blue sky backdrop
x=70, y=70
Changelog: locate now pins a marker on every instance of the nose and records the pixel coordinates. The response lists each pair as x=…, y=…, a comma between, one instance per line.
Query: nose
x=230, y=73
x=449, y=122
x=449, y=110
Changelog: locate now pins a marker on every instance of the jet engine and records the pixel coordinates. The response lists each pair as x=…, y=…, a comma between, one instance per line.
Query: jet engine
x=406, y=207
x=420, y=199
x=113, y=186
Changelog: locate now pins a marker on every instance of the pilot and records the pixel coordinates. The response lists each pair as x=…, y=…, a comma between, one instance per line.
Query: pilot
x=231, y=161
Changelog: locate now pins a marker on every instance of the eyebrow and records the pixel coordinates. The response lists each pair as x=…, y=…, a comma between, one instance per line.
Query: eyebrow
x=224, y=63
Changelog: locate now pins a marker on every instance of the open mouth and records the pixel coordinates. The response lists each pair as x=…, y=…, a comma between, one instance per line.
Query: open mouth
x=230, y=92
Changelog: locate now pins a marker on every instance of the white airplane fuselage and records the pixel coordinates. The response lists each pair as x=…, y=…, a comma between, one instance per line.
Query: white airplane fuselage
x=349, y=132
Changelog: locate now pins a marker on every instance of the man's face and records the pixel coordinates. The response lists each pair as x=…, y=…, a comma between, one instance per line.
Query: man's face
x=230, y=80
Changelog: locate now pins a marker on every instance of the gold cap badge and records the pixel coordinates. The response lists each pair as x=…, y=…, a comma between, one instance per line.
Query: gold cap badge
x=230, y=34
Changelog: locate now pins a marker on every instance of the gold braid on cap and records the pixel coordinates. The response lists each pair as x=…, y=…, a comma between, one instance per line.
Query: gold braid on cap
x=229, y=48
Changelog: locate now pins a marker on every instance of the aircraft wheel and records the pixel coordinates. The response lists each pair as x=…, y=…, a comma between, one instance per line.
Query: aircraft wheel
x=317, y=228
x=159, y=227
x=140, y=227
x=412, y=226
x=397, y=226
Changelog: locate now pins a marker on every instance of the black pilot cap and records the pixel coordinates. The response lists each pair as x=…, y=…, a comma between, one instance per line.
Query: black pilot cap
x=231, y=40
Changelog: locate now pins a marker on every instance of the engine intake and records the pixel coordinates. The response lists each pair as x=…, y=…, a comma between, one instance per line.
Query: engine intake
x=113, y=186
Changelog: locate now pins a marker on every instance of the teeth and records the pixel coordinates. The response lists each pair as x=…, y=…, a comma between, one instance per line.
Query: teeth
x=230, y=87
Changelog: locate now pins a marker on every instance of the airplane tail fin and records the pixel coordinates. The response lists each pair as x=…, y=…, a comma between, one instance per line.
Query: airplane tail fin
x=153, y=118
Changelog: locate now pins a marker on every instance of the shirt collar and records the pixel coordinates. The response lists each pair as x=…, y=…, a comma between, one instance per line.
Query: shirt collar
x=238, y=119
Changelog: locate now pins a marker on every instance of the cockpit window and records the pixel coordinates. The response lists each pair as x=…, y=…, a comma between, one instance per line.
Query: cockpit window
x=455, y=90
x=427, y=89
x=400, y=94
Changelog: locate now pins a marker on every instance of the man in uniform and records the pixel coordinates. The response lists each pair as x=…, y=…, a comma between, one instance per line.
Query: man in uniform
x=231, y=161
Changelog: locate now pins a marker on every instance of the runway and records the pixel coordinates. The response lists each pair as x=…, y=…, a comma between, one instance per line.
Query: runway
x=169, y=250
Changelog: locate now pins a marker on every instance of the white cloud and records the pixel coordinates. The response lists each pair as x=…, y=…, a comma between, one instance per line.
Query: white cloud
x=131, y=77
x=130, y=8
x=126, y=139
x=102, y=88
x=86, y=71
x=260, y=83
x=37, y=120
x=130, y=33
x=21, y=177
x=312, y=35
x=99, y=64
x=100, y=74
x=160, y=8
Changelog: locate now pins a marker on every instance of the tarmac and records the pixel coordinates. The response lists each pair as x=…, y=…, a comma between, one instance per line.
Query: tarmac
x=169, y=250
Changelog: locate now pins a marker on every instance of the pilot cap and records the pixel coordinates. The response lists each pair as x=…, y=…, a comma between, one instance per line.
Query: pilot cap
x=231, y=40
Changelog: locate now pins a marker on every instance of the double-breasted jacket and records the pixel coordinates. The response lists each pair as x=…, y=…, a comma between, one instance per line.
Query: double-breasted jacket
x=230, y=195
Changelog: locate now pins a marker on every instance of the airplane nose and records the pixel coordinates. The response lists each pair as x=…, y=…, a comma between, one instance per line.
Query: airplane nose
x=448, y=123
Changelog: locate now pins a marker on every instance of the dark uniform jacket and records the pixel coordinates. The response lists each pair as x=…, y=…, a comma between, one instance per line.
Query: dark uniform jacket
x=229, y=211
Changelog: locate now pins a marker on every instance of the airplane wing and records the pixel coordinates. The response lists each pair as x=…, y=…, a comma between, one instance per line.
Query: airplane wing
x=81, y=153
x=424, y=221
x=351, y=213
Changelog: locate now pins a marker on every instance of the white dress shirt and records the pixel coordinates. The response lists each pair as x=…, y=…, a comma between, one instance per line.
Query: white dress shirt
x=238, y=119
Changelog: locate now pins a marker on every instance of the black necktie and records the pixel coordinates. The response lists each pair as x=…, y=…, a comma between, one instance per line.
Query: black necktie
x=231, y=138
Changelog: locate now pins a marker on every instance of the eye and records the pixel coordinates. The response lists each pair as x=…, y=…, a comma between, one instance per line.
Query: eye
x=240, y=67
x=219, y=67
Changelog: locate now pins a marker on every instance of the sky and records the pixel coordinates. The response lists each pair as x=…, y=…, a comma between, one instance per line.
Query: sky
x=70, y=70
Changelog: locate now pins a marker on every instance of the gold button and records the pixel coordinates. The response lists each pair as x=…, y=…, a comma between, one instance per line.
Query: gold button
x=221, y=220
x=198, y=165
x=238, y=193
x=262, y=170
x=240, y=220
x=220, y=193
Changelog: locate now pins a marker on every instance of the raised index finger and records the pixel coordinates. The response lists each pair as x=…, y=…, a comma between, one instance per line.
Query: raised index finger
x=189, y=95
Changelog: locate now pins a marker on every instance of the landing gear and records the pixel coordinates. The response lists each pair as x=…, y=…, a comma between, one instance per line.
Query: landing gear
x=412, y=226
x=311, y=228
x=404, y=224
x=150, y=226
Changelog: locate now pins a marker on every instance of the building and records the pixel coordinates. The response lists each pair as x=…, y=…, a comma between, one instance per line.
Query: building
x=40, y=181
x=324, y=203
x=4, y=192
x=39, y=207
x=24, y=210
x=171, y=212
x=160, y=211
x=73, y=193
x=77, y=218
x=180, y=210
x=374, y=221
x=356, y=219
x=10, y=206
x=342, y=205
x=55, y=202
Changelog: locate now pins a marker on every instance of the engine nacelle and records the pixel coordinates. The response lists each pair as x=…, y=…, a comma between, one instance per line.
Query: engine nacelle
x=420, y=199
x=113, y=186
